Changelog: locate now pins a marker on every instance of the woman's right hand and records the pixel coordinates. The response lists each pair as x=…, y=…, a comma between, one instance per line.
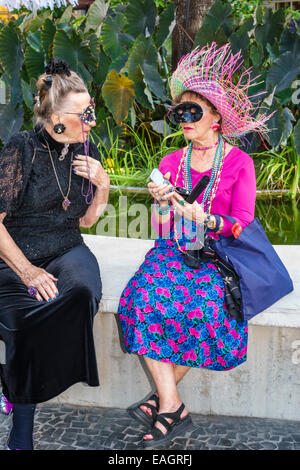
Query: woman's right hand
x=158, y=191
x=43, y=281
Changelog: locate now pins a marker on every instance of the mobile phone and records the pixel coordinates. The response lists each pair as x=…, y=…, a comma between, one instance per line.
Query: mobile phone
x=158, y=178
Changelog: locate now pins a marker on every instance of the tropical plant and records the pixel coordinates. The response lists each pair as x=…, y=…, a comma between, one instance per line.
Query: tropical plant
x=122, y=51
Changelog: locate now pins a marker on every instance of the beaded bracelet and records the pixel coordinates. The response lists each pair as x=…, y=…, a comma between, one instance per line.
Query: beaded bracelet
x=162, y=210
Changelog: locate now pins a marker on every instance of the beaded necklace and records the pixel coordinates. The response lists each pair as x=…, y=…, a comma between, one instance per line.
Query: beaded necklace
x=211, y=188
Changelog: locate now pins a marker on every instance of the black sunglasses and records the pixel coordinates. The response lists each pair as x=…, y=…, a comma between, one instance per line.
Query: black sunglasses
x=188, y=111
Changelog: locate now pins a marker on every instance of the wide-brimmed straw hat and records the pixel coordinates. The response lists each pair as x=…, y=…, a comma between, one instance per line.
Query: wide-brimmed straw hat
x=209, y=71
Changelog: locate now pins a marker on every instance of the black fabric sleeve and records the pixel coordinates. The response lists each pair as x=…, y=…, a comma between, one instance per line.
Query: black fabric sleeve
x=11, y=173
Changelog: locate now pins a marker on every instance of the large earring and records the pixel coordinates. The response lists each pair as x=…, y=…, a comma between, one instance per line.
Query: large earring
x=59, y=128
x=215, y=126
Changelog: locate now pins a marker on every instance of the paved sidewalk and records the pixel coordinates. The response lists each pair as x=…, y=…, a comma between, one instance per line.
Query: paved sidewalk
x=65, y=427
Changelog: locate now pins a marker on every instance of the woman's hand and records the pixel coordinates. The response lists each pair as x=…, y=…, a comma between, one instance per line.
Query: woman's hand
x=158, y=191
x=43, y=281
x=98, y=175
x=188, y=211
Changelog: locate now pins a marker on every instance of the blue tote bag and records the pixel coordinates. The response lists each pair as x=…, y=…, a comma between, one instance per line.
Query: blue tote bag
x=263, y=277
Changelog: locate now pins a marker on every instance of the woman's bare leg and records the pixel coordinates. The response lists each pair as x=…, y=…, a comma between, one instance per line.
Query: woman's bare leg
x=164, y=377
x=179, y=373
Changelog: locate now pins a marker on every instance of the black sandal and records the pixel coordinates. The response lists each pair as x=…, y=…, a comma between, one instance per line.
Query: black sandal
x=173, y=429
x=141, y=416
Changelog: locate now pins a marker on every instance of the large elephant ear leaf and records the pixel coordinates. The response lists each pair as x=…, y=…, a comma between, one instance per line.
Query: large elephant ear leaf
x=95, y=16
x=47, y=37
x=166, y=25
x=12, y=58
x=11, y=53
x=74, y=51
x=34, y=62
x=118, y=94
x=11, y=121
x=113, y=38
x=285, y=69
x=141, y=17
x=276, y=124
x=144, y=55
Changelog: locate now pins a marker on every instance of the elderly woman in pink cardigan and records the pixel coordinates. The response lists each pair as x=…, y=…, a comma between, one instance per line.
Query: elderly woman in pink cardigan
x=175, y=316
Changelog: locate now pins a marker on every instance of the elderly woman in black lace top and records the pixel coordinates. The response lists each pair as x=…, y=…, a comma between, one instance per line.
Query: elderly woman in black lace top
x=51, y=184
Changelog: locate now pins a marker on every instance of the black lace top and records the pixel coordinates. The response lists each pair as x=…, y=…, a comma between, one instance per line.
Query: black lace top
x=30, y=196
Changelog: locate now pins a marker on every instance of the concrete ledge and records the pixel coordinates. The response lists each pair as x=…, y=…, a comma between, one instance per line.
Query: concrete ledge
x=266, y=385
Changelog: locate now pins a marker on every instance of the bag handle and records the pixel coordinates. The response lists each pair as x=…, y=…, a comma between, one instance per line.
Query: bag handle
x=228, y=217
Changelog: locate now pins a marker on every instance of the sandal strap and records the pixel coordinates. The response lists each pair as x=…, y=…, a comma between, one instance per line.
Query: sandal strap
x=175, y=416
x=155, y=398
x=161, y=419
x=156, y=433
x=148, y=405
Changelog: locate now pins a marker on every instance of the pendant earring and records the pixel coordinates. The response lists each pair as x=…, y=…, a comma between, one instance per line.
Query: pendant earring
x=215, y=126
x=59, y=128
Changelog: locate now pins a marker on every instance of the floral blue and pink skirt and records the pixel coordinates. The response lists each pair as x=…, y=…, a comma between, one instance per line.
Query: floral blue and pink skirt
x=173, y=313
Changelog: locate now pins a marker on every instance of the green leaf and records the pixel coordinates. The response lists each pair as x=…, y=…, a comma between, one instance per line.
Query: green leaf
x=112, y=36
x=272, y=27
x=256, y=54
x=284, y=70
x=35, y=23
x=144, y=54
x=239, y=40
x=34, y=62
x=206, y=35
x=276, y=124
x=11, y=121
x=95, y=16
x=67, y=14
x=161, y=127
x=259, y=13
x=102, y=68
x=118, y=94
x=47, y=37
x=74, y=51
x=27, y=94
x=166, y=25
x=140, y=15
x=289, y=117
x=296, y=136
x=220, y=14
x=11, y=54
x=34, y=40
x=142, y=94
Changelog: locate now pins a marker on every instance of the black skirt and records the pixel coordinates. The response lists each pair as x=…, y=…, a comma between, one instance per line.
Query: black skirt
x=50, y=345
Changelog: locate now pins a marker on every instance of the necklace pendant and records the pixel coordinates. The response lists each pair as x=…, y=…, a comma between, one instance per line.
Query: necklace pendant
x=64, y=152
x=65, y=203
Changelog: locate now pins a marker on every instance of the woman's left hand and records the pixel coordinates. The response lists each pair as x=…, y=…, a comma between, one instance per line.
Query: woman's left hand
x=188, y=211
x=98, y=175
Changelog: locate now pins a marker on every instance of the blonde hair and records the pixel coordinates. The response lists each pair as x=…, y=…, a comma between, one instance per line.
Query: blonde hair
x=53, y=100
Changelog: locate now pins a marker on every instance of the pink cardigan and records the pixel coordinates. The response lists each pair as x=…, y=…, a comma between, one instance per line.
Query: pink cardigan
x=235, y=195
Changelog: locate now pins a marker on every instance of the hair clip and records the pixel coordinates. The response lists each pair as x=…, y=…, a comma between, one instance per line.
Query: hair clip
x=48, y=83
